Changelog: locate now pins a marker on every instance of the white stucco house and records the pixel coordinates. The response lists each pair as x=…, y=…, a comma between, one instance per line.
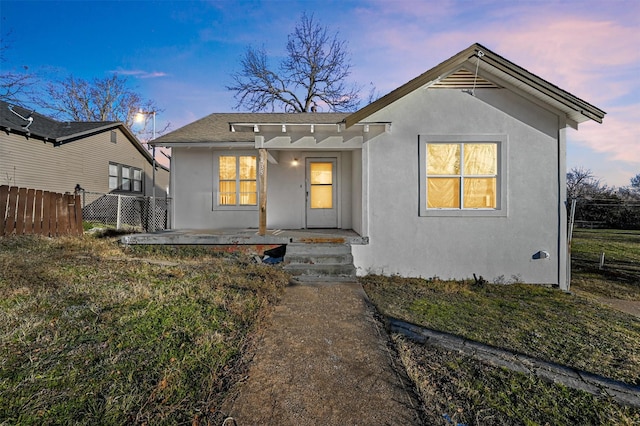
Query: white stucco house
x=460, y=171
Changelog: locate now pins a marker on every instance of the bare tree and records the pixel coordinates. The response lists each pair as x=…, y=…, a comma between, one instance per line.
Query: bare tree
x=314, y=71
x=16, y=87
x=581, y=183
x=107, y=99
x=635, y=182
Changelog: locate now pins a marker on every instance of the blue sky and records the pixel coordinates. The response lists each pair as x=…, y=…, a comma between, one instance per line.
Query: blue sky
x=181, y=53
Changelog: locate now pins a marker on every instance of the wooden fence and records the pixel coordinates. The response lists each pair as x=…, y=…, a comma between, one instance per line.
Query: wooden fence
x=31, y=211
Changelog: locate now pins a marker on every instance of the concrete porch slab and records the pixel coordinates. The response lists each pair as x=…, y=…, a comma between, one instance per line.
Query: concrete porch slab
x=247, y=236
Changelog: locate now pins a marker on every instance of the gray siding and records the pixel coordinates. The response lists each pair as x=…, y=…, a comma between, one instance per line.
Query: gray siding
x=35, y=164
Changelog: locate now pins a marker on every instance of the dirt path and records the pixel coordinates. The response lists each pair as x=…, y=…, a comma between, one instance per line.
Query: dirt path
x=324, y=360
x=629, y=306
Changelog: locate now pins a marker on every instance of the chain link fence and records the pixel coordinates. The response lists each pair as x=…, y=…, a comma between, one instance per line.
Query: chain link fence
x=605, y=213
x=126, y=211
x=604, y=241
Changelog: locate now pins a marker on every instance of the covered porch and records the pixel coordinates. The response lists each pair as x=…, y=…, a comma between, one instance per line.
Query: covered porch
x=271, y=172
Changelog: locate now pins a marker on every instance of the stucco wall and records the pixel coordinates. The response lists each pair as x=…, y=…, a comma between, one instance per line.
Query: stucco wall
x=31, y=163
x=498, y=248
x=193, y=185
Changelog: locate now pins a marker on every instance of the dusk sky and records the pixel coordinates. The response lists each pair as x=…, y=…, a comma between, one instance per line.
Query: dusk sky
x=181, y=53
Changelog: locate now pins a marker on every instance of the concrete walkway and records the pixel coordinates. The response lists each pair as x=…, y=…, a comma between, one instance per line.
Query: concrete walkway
x=324, y=360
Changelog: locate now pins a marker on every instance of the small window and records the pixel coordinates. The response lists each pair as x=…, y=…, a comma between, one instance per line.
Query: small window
x=114, y=136
x=237, y=181
x=124, y=178
x=462, y=175
x=137, y=180
x=113, y=176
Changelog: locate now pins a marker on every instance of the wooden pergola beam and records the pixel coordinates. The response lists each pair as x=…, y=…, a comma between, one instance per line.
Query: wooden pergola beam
x=262, y=178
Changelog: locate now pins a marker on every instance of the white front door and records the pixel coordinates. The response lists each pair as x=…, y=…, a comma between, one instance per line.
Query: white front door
x=322, y=208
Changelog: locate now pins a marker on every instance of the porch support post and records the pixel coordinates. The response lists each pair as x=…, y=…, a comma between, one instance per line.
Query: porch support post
x=262, y=178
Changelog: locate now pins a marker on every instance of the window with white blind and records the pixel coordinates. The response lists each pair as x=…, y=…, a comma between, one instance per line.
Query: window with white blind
x=236, y=181
x=462, y=175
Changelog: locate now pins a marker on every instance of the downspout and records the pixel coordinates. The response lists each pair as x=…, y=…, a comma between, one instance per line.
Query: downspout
x=564, y=260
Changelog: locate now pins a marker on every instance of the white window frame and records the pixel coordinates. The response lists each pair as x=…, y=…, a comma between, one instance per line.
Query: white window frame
x=120, y=178
x=502, y=179
x=216, y=181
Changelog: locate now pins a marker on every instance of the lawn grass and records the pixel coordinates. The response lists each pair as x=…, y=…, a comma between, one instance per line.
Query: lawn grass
x=92, y=333
x=95, y=333
x=534, y=320
x=546, y=323
x=620, y=276
x=456, y=389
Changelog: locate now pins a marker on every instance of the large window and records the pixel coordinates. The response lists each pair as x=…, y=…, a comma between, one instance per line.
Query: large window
x=237, y=183
x=124, y=178
x=461, y=174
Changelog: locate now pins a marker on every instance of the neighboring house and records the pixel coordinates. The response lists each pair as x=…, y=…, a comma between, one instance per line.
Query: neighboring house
x=460, y=171
x=103, y=157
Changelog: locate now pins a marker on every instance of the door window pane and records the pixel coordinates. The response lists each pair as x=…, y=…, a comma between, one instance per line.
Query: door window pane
x=321, y=173
x=322, y=196
x=321, y=185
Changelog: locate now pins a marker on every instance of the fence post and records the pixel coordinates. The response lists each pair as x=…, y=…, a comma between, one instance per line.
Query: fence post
x=118, y=214
x=572, y=215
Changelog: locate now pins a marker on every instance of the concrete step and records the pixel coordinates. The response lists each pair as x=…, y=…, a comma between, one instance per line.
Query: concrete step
x=323, y=279
x=320, y=259
x=301, y=248
x=320, y=262
x=298, y=269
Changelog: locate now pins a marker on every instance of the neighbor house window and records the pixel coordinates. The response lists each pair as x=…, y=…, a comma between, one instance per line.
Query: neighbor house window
x=237, y=180
x=461, y=175
x=124, y=178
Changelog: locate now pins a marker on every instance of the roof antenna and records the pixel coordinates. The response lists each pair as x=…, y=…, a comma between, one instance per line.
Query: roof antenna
x=29, y=118
x=475, y=78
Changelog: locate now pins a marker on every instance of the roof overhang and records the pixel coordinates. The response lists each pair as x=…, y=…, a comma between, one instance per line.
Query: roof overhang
x=298, y=135
x=491, y=64
x=311, y=135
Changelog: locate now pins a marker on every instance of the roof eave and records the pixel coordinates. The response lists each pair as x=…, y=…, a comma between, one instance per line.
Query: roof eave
x=546, y=89
x=425, y=78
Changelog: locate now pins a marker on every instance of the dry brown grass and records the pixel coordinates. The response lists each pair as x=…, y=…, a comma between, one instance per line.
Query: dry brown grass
x=93, y=333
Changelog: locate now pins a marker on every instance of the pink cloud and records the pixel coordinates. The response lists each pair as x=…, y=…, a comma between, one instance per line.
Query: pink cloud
x=617, y=138
x=591, y=52
x=589, y=57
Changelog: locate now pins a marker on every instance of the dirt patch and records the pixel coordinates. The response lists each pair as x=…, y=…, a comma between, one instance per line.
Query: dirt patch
x=324, y=359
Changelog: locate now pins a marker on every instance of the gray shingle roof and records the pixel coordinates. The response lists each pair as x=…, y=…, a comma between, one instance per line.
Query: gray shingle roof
x=44, y=127
x=217, y=127
x=58, y=132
